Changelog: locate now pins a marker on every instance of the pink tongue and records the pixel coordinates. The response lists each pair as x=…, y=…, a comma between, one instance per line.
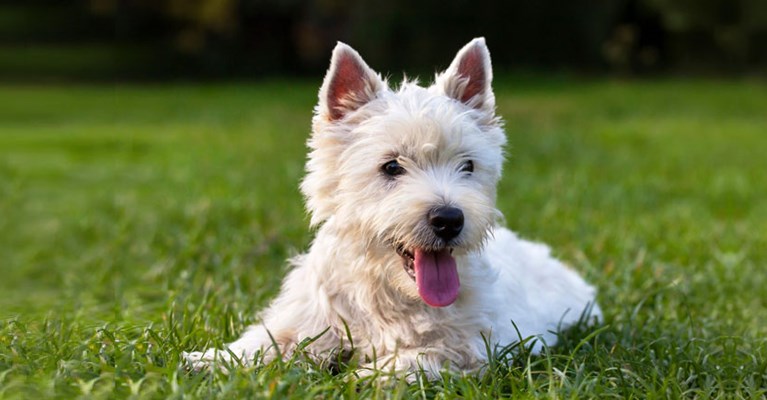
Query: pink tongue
x=437, y=277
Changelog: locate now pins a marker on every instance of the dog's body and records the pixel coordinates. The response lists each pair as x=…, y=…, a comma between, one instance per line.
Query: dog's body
x=409, y=261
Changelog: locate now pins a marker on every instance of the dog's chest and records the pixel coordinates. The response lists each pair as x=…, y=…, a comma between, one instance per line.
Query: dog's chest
x=414, y=326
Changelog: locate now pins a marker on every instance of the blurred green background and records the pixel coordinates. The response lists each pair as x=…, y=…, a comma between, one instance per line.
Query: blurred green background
x=171, y=39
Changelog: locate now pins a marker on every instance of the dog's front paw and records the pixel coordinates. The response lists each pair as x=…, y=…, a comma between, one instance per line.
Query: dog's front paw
x=198, y=361
x=409, y=366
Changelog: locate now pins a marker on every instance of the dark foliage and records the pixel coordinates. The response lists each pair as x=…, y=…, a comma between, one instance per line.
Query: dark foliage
x=160, y=39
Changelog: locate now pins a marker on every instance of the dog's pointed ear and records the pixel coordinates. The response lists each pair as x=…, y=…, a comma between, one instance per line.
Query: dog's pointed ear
x=349, y=84
x=469, y=77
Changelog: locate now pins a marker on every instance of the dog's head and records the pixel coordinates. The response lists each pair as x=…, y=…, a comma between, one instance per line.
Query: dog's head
x=412, y=171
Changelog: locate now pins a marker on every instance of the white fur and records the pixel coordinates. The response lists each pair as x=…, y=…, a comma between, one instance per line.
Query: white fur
x=352, y=278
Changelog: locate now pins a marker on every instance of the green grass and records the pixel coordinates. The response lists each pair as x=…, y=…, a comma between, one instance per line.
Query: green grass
x=139, y=222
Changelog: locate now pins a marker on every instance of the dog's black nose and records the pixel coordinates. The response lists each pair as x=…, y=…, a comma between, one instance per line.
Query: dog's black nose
x=446, y=222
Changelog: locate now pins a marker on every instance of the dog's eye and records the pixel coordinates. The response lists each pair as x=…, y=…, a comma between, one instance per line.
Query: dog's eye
x=468, y=166
x=392, y=168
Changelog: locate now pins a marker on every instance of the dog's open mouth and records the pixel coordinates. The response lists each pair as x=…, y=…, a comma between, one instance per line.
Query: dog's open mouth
x=434, y=272
x=408, y=260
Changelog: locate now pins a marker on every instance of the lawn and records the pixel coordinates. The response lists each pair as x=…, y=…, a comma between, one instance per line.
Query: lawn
x=137, y=222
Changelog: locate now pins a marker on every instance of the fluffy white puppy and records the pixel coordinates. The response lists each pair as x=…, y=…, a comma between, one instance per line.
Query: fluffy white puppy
x=409, y=254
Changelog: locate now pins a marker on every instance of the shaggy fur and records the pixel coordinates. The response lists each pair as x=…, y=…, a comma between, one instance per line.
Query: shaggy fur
x=382, y=161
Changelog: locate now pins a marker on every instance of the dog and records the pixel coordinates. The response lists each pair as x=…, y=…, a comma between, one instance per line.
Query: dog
x=411, y=270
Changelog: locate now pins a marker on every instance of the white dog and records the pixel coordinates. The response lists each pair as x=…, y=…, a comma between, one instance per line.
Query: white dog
x=409, y=255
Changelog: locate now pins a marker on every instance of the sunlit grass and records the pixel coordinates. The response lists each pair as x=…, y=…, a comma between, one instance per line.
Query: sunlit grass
x=139, y=222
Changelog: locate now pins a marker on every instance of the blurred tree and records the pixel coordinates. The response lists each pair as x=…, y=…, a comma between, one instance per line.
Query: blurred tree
x=703, y=36
x=161, y=39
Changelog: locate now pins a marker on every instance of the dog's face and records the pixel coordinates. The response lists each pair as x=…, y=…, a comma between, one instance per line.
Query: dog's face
x=411, y=172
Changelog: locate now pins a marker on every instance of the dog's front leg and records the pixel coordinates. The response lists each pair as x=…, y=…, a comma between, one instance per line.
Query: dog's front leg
x=292, y=316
